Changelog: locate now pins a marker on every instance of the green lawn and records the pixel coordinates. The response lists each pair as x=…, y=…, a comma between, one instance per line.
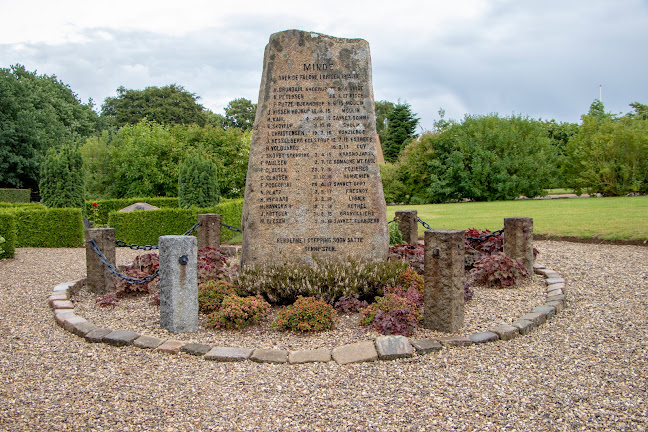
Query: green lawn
x=600, y=218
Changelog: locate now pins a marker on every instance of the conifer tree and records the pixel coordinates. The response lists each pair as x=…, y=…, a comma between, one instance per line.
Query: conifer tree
x=197, y=182
x=61, y=183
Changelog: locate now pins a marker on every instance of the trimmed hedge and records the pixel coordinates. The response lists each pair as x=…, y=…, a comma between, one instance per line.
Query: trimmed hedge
x=15, y=195
x=8, y=232
x=99, y=215
x=144, y=227
x=54, y=227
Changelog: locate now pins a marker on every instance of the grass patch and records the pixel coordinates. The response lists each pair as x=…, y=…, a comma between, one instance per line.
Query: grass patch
x=620, y=218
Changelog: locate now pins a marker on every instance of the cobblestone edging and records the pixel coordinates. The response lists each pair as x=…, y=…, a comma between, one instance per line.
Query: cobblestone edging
x=382, y=348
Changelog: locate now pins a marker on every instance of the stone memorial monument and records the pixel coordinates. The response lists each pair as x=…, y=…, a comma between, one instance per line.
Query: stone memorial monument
x=313, y=188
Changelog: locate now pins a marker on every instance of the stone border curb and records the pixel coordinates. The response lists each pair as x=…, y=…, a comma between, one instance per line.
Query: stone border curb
x=382, y=348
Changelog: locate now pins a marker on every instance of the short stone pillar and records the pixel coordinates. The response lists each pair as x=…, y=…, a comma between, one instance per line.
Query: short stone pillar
x=408, y=225
x=99, y=280
x=178, y=283
x=443, y=308
x=209, y=231
x=518, y=240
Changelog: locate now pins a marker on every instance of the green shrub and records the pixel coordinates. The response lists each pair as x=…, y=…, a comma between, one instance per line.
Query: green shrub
x=15, y=195
x=145, y=227
x=8, y=232
x=395, y=235
x=212, y=293
x=54, y=227
x=99, y=214
x=326, y=280
x=2, y=241
x=197, y=182
x=305, y=315
x=410, y=279
x=62, y=184
x=238, y=312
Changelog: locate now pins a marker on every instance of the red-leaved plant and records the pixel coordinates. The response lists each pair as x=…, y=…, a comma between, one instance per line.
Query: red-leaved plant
x=498, y=271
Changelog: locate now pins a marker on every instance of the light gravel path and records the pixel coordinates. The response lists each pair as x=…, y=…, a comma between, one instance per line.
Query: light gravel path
x=585, y=370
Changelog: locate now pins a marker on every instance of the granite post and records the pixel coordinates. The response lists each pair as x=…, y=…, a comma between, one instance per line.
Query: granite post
x=178, y=283
x=99, y=279
x=444, y=280
x=313, y=190
x=518, y=240
x=408, y=225
x=209, y=231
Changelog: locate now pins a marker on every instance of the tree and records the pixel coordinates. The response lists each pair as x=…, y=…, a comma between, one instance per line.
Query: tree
x=609, y=155
x=240, y=113
x=487, y=158
x=383, y=110
x=166, y=105
x=197, y=182
x=61, y=183
x=36, y=112
x=401, y=125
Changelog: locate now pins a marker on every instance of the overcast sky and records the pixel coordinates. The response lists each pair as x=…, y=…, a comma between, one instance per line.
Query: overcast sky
x=542, y=59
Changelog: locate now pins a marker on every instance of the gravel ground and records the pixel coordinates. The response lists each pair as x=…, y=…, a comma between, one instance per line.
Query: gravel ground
x=586, y=370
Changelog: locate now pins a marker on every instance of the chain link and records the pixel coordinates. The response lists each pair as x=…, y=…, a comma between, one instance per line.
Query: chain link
x=487, y=236
x=232, y=228
x=425, y=224
x=113, y=270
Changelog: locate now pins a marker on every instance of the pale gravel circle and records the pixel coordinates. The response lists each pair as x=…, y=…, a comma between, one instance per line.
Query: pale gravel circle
x=585, y=370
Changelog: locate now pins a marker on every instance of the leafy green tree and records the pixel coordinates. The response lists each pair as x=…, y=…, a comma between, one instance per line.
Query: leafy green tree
x=383, y=110
x=197, y=182
x=166, y=105
x=36, y=112
x=487, y=158
x=641, y=111
x=609, y=155
x=240, y=113
x=401, y=127
x=61, y=183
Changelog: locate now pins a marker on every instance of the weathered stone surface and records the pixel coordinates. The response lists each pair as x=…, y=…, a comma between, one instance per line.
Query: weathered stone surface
x=58, y=295
x=537, y=267
x=393, y=347
x=97, y=335
x=79, y=328
x=120, y=338
x=518, y=240
x=549, y=311
x=171, y=346
x=547, y=272
x=484, y=337
x=554, y=280
x=425, y=346
x=196, y=349
x=313, y=188
x=61, y=314
x=148, y=342
x=72, y=320
x=408, y=225
x=62, y=304
x=178, y=283
x=321, y=355
x=524, y=326
x=554, y=292
x=209, y=231
x=139, y=206
x=444, y=280
x=453, y=341
x=99, y=279
x=63, y=286
x=229, y=250
x=262, y=355
x=355, y=353
x=555, y=286
x=558, y=305
x=536, y=318
x=560, y=297
x=506, y=332
x=228, y=354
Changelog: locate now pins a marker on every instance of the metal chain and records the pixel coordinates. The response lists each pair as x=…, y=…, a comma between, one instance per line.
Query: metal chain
x=487, y=236
x=425, y=224
x=232, y=228
x=113, y=270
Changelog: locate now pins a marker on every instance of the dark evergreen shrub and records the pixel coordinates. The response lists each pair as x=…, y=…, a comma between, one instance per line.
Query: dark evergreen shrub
x=197, y=182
